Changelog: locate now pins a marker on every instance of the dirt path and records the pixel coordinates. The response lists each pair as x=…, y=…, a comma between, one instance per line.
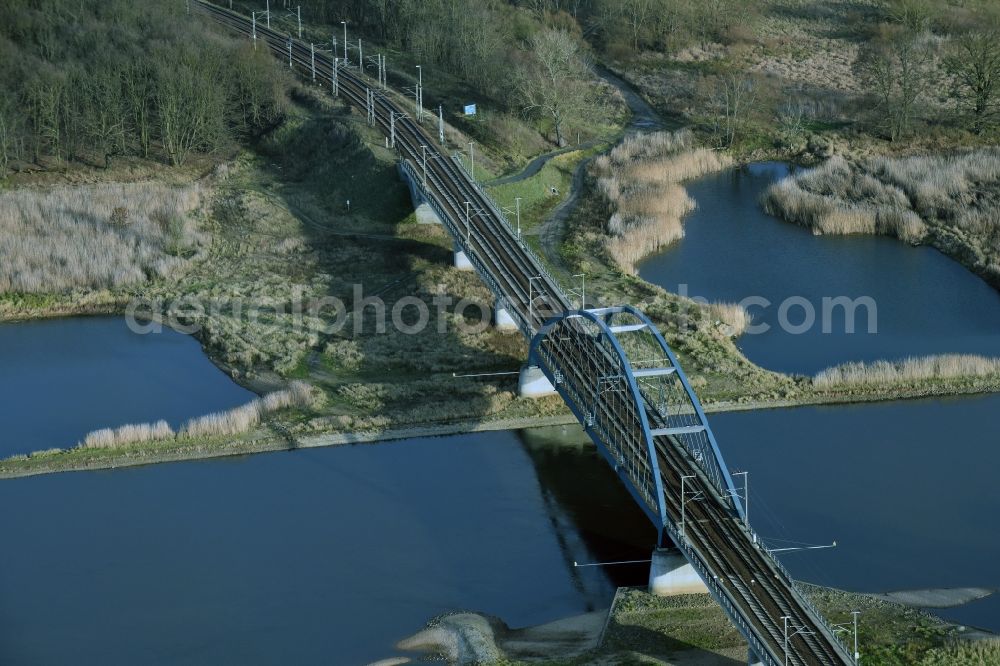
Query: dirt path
x=535, y=165
x=644, y=119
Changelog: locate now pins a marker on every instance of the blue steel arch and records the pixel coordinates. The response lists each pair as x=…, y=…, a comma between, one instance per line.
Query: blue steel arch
x=646, y=414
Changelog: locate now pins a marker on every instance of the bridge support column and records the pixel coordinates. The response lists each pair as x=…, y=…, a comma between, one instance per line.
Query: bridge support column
x=753, y=659
x=533, y=383
x=670, y=574
x=462, y=262
x=425, y=214
x=503, y=321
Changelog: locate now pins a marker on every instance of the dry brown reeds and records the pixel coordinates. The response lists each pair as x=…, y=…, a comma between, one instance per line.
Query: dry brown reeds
x=882, y=373
x=94, y=236
x=897, y=197
x=133, y=433
x=231, y=422
x=733, y=316
x=641, y=179
x=243, y=418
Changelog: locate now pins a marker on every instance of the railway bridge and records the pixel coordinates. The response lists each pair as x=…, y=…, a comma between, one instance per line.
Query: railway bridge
x=614, y=370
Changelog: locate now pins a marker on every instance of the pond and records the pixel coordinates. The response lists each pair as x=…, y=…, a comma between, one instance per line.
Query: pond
x=923, y=302
x=62, y=378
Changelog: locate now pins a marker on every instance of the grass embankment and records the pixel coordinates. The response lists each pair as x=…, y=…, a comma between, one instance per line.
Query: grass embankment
x=644, y=629
x=279, y=232
x=644, y=626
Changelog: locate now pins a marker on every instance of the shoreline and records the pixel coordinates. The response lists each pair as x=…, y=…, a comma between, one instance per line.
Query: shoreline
x=130, y=457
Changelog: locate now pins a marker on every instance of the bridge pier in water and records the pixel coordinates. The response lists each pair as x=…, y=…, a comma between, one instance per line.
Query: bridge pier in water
x=671, y=574
x=532, y=383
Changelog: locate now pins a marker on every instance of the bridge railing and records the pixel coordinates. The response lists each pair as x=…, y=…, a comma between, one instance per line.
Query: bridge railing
x=721, y=596
x=500, y=215
x=803, y=599
x=484, y=273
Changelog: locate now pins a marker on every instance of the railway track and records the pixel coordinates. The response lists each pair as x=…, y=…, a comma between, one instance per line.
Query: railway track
x=528, y=292
x=750, y=584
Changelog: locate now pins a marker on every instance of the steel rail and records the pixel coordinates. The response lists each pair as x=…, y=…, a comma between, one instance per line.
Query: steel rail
x=717, y=541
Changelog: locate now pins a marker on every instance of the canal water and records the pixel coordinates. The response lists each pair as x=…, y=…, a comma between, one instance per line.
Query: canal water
x=924, y=302
x=62, y=378
x=314, y=556
x=333, y=555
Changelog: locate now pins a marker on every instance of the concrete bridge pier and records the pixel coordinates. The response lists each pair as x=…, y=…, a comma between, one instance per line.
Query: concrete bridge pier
x=462, y=261
x=753, y=659
x=670, y=574
x=503, y=321
x=533, y=383
x=425, y=214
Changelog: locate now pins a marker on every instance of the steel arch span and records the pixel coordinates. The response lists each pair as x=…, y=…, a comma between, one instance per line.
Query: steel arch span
x=622, y=381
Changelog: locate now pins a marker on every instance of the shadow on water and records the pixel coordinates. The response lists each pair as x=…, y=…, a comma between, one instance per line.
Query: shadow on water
x=588, y=502
x=291, y=557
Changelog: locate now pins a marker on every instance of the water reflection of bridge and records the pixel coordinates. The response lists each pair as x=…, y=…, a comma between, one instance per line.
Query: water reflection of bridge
x=613, y=369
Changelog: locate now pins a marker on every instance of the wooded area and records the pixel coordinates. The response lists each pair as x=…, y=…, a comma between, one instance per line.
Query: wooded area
x=89, y=80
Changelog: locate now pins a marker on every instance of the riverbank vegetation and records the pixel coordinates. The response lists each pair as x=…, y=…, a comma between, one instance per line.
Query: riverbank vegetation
x=234, y=421
x=951, y=201
x=894, y=373
x=641, y=628
x=889, y=634
x=641, y=180
x=92, y=237
x=278, y=231
x=279, y=235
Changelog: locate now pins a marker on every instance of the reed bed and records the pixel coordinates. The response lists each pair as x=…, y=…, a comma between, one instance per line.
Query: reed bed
x=899, y=197
x=101, y=236
x=133, y=433
x=231, y=422
x=882, y=373
x=734, y=316
x=641, y=179
x=245, y=417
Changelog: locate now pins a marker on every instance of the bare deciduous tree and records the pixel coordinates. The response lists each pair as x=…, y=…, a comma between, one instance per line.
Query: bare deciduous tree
x=975, y=66
x=896, y=69
x=555, y=82
x=735, y=99
x=189, y=104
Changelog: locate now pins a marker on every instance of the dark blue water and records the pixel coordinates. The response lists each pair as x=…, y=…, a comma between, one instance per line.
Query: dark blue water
x=62, y=378
x=909, y=491
x=925, y=303
x=333, y=555
x=315, y=556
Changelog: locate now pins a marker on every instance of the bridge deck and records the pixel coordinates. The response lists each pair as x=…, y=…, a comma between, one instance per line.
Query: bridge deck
x=651, y=442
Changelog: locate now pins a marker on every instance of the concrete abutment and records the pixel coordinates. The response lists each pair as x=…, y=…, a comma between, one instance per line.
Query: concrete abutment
x=532, y=383
x=670, y=574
